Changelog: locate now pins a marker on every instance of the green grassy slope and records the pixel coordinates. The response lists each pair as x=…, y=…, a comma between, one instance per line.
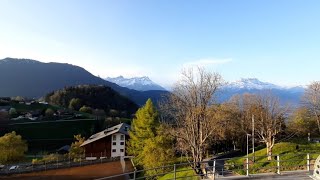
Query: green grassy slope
x=33, y=107
x=293, y=156
x=54, y=129
x=51, y=135
x=186, y=172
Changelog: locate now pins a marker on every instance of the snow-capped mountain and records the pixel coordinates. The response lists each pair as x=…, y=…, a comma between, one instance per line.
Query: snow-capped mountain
x=252, y=83
x=137, y=83
x=291, y=95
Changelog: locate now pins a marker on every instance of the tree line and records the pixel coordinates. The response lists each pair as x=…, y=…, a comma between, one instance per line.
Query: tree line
x=189, y=121
x=86, y=98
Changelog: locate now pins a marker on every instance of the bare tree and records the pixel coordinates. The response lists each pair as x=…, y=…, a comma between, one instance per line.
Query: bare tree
x=241, y=105
x=311, y=99
x=244, y=104
x=189, y=108
x=229, y=119
x=269, y=117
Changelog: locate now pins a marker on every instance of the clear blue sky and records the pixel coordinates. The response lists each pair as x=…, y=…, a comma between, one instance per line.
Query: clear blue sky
x=275, y=40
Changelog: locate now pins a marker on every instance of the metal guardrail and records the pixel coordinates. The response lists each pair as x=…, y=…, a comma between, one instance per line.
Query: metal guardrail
x=217, y=168
x=207, y=171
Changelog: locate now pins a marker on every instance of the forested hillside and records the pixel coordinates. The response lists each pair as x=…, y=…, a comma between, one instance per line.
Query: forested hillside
x=92, y=96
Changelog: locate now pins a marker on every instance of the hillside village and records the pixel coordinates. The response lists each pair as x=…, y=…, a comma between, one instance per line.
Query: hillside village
x=30, y=112
x=159, y=90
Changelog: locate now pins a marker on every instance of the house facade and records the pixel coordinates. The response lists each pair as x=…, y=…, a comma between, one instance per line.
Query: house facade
x=108, y=143
x=118, y=145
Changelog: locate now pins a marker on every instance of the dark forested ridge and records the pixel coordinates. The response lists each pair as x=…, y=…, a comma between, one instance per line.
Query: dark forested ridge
x=94, y=96
x=34, y=79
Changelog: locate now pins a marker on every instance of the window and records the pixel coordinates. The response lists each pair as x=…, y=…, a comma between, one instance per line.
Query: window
x=122, y=143
x=114, y=143
x=121, y=150
x=114, y=150
x=122, y=137
x=114, y=137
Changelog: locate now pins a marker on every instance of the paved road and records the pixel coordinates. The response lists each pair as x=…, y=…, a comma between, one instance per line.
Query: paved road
x=220, y=160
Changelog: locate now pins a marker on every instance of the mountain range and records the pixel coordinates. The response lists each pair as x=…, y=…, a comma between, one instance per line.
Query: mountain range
x=290, y=95
x=137, y=83
x=34, y=79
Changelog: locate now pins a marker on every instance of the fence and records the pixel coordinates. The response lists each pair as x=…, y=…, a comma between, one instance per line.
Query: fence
x=247, y=166
x=260, y=164
x=221, y=168
x=177, y=171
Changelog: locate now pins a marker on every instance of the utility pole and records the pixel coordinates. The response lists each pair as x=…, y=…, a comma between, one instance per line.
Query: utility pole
x=253, y=138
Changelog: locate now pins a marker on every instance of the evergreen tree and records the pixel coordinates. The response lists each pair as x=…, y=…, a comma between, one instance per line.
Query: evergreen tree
x=143, y=127
x=158, y=152
x=148, y=144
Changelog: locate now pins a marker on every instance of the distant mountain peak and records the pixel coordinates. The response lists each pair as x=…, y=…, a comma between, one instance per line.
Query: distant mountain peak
x=144, y=77
x=286, y=95
x=250, y=80
x=252, y=83
x=143, y=83
x=120, y=77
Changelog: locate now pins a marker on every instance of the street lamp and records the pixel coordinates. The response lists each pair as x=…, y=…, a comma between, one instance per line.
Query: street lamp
x=248, y=154
x=248, y=144
x=253, y=152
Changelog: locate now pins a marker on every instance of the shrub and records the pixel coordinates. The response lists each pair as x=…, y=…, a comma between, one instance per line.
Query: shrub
x=47, y=159
x=12, y=148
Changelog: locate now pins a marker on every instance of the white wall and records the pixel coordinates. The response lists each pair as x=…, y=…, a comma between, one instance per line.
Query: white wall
x=118, y=147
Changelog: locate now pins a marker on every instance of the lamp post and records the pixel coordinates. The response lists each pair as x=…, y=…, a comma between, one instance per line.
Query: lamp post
x=248, y=144
x=253, y=152
x=248, y=154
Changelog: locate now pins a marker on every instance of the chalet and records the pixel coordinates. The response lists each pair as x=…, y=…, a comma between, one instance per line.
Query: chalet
x=43, y=102
x=5, y=99
x=32, y=114
x=108, y=143
x=28, y=103
x=5, y=108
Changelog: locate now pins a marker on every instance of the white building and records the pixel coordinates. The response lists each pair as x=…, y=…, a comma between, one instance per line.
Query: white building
x=108, y=143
